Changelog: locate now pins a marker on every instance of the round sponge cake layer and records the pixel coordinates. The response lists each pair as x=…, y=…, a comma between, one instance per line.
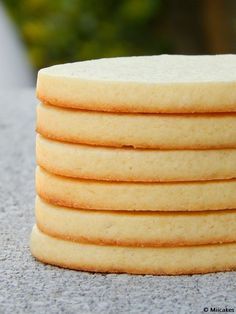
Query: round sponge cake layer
x=137, y=228
x=89, y=194
x=138, y=130
x=123, y=164
x=135, y=260
x=158, y=84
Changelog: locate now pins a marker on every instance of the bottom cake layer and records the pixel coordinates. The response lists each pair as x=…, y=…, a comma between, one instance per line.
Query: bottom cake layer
x=133, y=260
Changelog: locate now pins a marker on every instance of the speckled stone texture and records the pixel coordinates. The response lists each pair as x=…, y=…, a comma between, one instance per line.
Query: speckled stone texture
x=27, y=286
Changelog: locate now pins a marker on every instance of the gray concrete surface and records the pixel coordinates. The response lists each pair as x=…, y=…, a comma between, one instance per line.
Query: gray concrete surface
x=26, y=286
x=16, y=70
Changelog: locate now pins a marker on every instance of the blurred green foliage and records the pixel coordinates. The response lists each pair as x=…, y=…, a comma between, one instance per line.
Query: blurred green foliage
x=58, y=31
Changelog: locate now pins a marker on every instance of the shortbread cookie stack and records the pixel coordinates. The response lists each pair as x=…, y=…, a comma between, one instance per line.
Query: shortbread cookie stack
x=137, y=165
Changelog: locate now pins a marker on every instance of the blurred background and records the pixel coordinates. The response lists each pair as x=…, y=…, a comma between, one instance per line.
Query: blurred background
x=39, y=33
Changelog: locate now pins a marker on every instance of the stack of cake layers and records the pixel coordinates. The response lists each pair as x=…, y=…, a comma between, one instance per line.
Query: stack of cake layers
x=137, y=165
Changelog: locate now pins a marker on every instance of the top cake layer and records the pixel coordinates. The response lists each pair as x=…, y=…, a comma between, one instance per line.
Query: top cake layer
x=152, y=84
